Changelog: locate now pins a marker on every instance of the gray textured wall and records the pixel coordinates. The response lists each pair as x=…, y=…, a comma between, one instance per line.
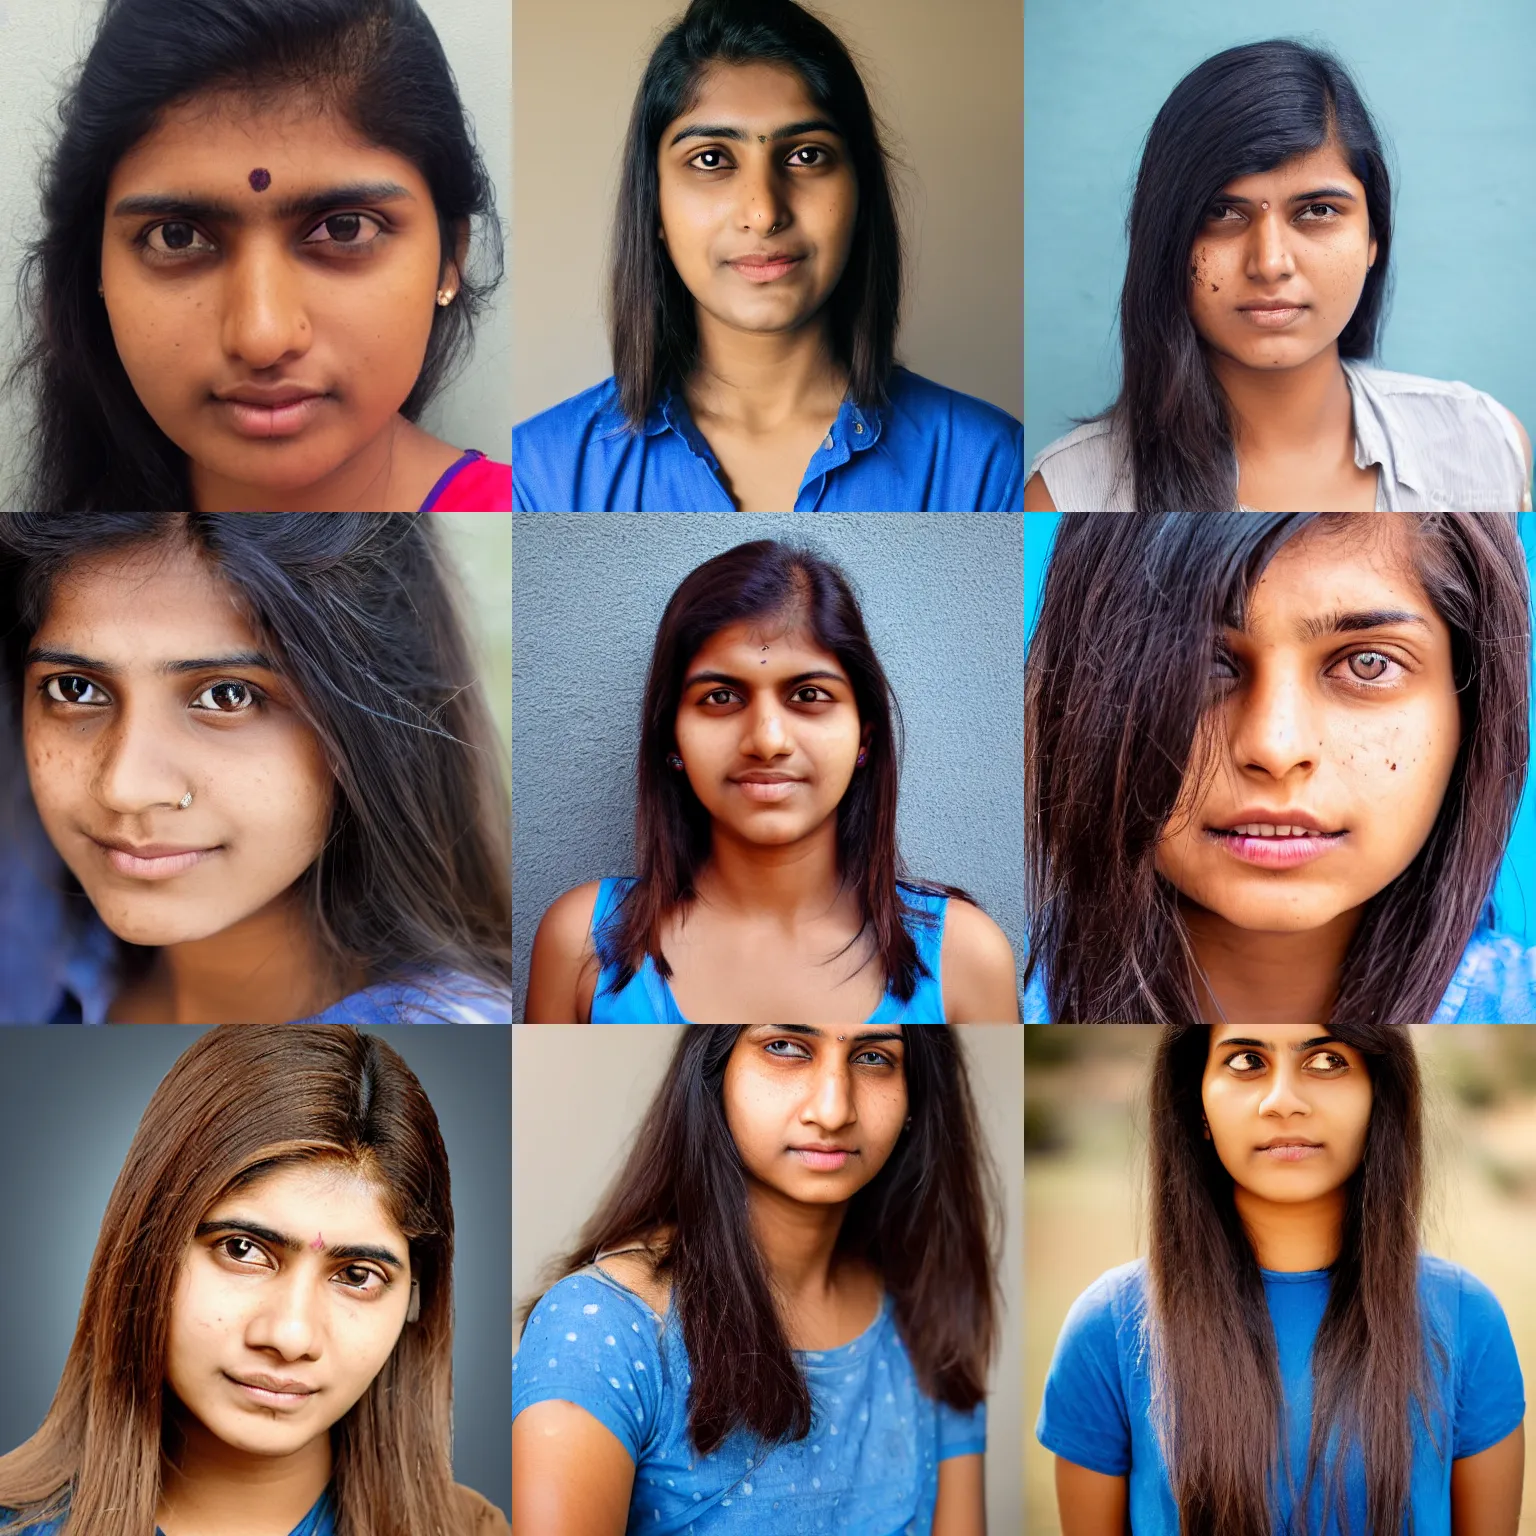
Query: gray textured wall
x=942, y=595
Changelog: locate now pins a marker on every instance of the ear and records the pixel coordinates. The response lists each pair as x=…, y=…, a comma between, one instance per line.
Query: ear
x=413, y=1311
x=454, y=268
x=1370, y=255
x=865, y=734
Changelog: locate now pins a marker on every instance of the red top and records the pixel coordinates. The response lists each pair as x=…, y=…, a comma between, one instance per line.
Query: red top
x=473, y=484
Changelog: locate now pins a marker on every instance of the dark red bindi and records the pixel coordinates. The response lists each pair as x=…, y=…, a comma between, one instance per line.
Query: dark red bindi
x=260, y=180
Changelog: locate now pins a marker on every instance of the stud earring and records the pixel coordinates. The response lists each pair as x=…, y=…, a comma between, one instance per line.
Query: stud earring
x=444, y=298
x=413, y=1312
x=674, y=762
x=861, y=759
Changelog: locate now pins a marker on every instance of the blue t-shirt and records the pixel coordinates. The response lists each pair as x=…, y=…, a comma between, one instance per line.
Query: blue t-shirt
x=320, y=1521
x=931, y=449
x=1494, y=983
x=868, y=1467
x=647, y=999
x=1097, y=1408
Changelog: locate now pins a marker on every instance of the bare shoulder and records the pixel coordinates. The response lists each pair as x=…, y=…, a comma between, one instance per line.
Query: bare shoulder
x=979, y=980
x=636, y=1271
x=1036, y=497
x=563, y=968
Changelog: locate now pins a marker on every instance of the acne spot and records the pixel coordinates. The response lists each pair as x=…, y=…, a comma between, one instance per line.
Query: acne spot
x=1393, y=767
x=260, y=180
x=1215, y=289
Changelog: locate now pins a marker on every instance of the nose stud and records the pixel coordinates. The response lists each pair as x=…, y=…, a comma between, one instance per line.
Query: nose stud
x=185, y=801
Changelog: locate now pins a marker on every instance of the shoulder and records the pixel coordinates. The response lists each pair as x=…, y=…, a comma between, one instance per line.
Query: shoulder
x=636, y=1272
x=473, y=483
x=939, y=408
x=1450, y=1285
x=428, y=997
x=1445, y=408
x=563, y=968
x=1084, y=469
x=477, y=1515
x=581, y=1304
x=550, y=427
x=552, y=461
x=1118, y=1296
x=1494, y=984
x=567, y=921
x=979, y=977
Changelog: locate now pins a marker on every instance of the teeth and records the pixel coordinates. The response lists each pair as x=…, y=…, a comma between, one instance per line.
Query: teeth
x=1265, y=829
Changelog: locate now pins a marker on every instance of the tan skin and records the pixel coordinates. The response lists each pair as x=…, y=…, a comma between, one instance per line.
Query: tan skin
x=764, y=939
x=570, y=1475
x=111, y=749
x=1298, y=233
x=229, y=289
x=1359, y=728
x=766, y=388
x=1288, y=1080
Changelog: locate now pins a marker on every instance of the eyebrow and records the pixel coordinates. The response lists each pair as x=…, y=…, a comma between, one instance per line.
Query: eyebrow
x=1300, y=197
x=821, y=1034
x=293, y=1244
x=741, y=136
x=1269, y=1045
x=1340, y=623
x=737, y=682
x=41, y=656
x=211, y=211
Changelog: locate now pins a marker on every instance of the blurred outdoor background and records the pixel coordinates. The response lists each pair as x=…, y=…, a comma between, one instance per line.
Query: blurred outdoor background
x=481, y=545
x=1085, y=1169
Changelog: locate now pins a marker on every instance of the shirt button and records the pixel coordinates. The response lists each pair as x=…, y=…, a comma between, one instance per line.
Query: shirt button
x=827, y=443
x=858, y=426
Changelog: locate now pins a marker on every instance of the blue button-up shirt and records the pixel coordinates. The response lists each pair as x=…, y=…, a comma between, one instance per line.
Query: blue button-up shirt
x=931, y=449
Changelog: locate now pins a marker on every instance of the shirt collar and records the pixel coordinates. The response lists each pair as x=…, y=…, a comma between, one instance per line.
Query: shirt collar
x=1374, y=444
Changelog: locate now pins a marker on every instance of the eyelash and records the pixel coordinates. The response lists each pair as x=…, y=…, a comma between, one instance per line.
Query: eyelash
x=826, y=698
x=1215, y=214
x=884, y=1060
x=258, y=699
x=815, y=165
x=1343, y=1065
x=364, y=1269
x=166, y=254
x=1359, y=684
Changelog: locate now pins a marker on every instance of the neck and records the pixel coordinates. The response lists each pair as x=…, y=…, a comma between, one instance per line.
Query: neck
x=1253, y=977
x=797, y=1242
x=265, y=969
x=391, y=473
x=1293, y=1237
x=784, y=881
x=1289, y=411
x=760, y=383
x=207, y=1485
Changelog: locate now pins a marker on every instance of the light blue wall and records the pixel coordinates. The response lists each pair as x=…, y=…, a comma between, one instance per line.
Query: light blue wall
x=941, y=599
x=1514, y=894
x=1449, y=87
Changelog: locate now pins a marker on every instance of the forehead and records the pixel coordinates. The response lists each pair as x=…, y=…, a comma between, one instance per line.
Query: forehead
x=1325, y=166
x=755, y=97
x=789, y=645
x=333, y=1198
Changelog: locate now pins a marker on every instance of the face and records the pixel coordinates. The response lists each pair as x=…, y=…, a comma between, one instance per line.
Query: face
x=297, y=1286
x=271, y=282
x=790, y=1091
x=1298, y=236
x=1355, y=730
x=768, y=731
x=1293, y=1086
x=758, y=199
x=144, y=682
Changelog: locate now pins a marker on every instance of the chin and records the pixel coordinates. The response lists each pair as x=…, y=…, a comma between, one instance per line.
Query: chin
x=156, y=931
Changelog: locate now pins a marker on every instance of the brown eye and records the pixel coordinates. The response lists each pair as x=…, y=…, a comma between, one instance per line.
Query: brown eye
x=229, y=698
x=70, y=690
x=176, y=238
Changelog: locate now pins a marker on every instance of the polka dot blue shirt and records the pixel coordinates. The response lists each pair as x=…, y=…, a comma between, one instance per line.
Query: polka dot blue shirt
x=868, y=1467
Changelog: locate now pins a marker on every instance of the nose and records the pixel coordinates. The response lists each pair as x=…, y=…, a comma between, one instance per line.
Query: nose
x=286, y=1318
x=1283, y=1098
x=138, y=766
x=766, y=735
x=830, y=1101
x=1274, y=727
x=1270, y=257
x=763, y=209
x=265, y=320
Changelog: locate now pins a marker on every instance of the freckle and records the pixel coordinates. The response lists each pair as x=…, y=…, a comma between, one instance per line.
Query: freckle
x=1215, y=289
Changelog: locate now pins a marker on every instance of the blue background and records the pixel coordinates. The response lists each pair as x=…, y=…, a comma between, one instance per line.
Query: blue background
x=1516, y=913
x=1449, y=87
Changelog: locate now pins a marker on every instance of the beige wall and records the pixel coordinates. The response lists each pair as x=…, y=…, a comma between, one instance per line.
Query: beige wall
x=947, y=80
x=578, y=1093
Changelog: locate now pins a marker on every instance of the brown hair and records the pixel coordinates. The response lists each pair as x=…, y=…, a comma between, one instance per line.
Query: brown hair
x=243, y=1101
x=928, y=1222
x=1216, y=1392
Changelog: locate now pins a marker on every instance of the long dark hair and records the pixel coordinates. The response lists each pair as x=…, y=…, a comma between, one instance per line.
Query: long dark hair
x=928, y=1222
x=1242, y=111
x=93, y=445
x=1112, y=728
x=358, y=612
x=651, y=320
x=240, y=1103
x=762, y=580
x=1217, y=1398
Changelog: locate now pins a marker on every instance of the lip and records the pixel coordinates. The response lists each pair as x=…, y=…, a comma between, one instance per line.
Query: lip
x=823, y=1159
x=152, y=861
x=1271, y=317
x=277, y=411
x=766, y=788
x=1276, y=852
x=284, y=1394
x=1287, y=1149
x=1282, y=818
x=765, y=269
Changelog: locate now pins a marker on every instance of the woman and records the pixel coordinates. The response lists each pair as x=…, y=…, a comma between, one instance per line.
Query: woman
x=1286, y=1357
x=259, y=262
x=261, y=748
x=814, y=1203
x=770, y=885
x=1354, y=685
x=281, y=1236
x=754, y=291
x=1255, y=288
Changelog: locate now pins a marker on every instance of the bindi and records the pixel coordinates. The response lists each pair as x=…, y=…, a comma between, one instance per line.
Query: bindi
x=319, y=1242
x=260, y=180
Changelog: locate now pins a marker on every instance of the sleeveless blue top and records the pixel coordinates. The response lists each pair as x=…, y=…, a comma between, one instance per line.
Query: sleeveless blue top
x=646, y=998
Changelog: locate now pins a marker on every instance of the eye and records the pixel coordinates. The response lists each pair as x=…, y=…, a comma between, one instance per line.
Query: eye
x=880, y=1058
x=816, y=695
x=812, y=149
x=1218, y=211
x=1339, y=1064
x=799, y=1051
x=1373, y=671
x=1250, y=1056
x=719, y=696
x=229, y=698
x=364, y=1275
x=228, y=1246
x=703, y=154
x=176, y=237
x=1328, y=211
x=355, y=231
x=72, y=690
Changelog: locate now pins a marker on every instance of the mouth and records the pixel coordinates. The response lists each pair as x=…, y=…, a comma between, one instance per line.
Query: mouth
x=152, y=861
x=758, y=269
x=1272, y=317
x=280, y=1394
x=823, y=1159
x=1290, y=1149
x=1275, y=845
x=260, y=414
x=767, y=788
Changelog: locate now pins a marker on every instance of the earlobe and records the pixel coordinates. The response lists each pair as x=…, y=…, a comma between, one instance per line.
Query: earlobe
x=413, y=1311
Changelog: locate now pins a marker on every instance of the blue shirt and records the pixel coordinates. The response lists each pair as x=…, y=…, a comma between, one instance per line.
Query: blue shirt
x=647, y=999
x=931, y=449
x=1494, y=983
x=868, y=1467
x=1097, y=1408
x=320, y=1521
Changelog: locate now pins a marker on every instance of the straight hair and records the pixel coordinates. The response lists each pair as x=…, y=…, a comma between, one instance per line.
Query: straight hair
x=240, y=1103
x=359, y=612
x=1243, y=111
x=929, y=1222
x=652, y=325
x=1217, y=1403
x=1113, y=728
x=761, y=582
x=94, y=447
